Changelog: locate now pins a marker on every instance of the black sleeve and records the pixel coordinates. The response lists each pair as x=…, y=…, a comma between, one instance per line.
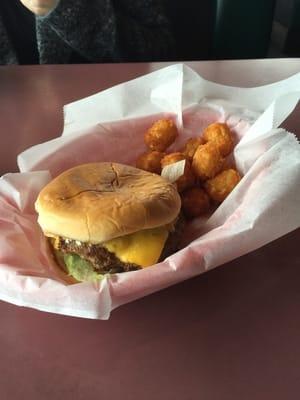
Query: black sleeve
x=113, y=30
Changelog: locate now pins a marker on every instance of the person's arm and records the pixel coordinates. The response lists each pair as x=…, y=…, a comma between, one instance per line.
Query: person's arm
x=107, y=30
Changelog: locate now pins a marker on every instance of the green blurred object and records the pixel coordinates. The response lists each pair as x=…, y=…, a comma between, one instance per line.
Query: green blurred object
x=80, y=269
x=242, y=28
x=221, y=29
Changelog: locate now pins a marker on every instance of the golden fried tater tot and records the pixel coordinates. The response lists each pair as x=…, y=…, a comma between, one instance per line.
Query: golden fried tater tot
x=207, y=161
x=150, y=161
x=191, y=146
x=161, y=135
x=195, y=202
x=172, y=158
x=186, y=180
x=220, y=135
x=221, y=185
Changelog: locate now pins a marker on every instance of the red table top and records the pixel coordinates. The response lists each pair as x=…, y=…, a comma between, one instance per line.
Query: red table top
x=232, y=333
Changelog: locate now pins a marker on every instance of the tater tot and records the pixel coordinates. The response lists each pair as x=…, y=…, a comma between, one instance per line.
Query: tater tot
x=221, y=185
x=188, y=178
x=172, y=158
x=150, y=161
x=207, y=161
x=161, y=135
x=195, y=202
x=220, y=135
x=191, y=146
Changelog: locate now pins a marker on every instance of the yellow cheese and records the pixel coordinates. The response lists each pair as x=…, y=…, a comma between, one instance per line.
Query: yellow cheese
x=143, y=248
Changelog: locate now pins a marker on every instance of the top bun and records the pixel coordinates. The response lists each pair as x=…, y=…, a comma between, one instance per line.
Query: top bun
x=100, y=201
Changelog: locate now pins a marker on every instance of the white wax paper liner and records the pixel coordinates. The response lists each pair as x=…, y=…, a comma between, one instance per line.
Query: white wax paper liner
x=123, y=112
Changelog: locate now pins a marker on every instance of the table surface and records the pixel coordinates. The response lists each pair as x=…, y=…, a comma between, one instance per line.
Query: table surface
x=232, y=333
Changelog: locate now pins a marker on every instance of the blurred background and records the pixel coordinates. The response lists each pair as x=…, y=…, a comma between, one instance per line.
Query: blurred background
x=235, y=29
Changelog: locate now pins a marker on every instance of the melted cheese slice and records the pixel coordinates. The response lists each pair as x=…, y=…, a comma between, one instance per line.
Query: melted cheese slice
x=143, y=248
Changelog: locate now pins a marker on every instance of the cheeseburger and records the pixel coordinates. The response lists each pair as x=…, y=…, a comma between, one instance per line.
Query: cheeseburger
x=104, y=218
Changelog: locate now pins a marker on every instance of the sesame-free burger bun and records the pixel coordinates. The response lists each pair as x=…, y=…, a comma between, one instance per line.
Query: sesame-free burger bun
x=100, y=201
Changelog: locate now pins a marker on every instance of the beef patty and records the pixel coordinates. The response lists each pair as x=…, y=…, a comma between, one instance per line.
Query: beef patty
x=104, y=261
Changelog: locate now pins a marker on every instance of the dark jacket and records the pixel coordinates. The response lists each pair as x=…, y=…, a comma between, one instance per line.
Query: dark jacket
x=99, y=31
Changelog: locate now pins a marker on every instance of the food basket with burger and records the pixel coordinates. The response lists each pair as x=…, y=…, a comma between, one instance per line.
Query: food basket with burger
x=152, y=182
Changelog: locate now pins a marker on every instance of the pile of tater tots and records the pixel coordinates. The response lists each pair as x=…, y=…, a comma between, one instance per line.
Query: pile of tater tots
x=209, y=175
